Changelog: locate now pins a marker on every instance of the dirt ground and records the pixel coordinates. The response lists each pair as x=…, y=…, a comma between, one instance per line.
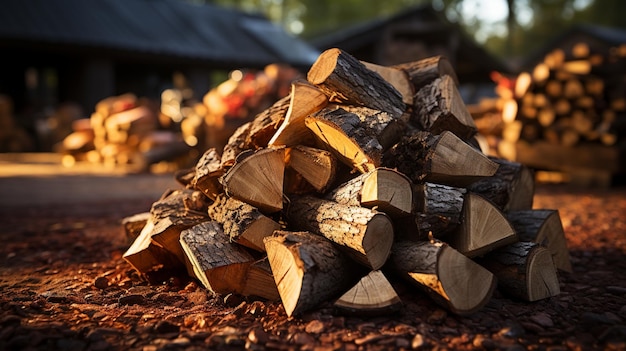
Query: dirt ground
x=65, y=286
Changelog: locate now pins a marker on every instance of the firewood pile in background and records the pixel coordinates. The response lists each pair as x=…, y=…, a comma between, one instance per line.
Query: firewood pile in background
x=567, y=114
x=140, y=134
x=364, y=176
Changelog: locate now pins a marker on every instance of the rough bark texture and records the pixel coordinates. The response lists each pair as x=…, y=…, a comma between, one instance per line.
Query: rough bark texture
x=266, y=123
x=208, y=170
x=524, y=271
x=237, y=143
x=308, y=269
x=439, y=107
x=134, y=224
x=387, y=128
x=422, y=72
x=543, y=227
x=346, y=80
x=510, y=189
x=438, y=210
x=242, y=222
x=451, y=279
x=382, y=188
x=220, y=265
x=367, y=235
x=352, y=142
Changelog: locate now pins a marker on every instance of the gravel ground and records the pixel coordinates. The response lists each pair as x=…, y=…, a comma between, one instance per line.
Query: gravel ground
x=65, y=285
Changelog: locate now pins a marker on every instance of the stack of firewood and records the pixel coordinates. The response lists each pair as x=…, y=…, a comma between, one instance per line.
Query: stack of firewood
x=124, y=131
x=362, y=175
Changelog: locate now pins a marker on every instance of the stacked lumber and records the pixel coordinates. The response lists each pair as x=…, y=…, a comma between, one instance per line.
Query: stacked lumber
x=350, y=185
x=123, y=130
x=572, y=102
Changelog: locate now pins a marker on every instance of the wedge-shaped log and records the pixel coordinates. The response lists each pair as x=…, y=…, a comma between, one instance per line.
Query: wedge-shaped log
x=133, y=225
x=398, y=78
x=308, y=269
x=511, y=188
x=318, y=167
x=242, y=223
x=237, y=143
x=305, y=99
x=483, y=228
x=439, y=107
x=144, y=255
x=257, y=179
x=207, y=174
x=385, y=189
x=373, y=295
x=266, y=123
x=365, y=234
x=344, y=79
x=450, y=278
x=354, y=142
x=423, y=72
x=437, y=211
x=543, y=227
x=260, y=281
x=221, y=266
x=443, y=159
x=524, y=270
x=175, y=212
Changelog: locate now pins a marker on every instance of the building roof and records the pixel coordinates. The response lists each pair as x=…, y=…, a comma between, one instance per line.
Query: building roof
x=426, y=24
x=165, y=29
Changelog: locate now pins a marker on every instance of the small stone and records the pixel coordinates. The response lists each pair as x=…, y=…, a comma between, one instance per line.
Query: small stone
x=543, y=319
x=418, y=342
x=258, y=336
x=402, y=343
x=314, y=327
x=437, y=317
x=480, y=341
x=512, y=330
x=303, y=339
x=101, y=283
x=132, y=299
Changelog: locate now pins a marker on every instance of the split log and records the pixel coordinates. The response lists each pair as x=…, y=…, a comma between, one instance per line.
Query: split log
x=543, y=227
x=385, y=127
x=257, y=179
x=308, y=269
x=179, y=210
x=365, y=234
x=207, y=173
x=145, y=256
x=266, y=123
x=437, y=212
x=384, y=189
x=397, y=78
x=260, y=281
x=344, y=79
x=237, y=143
x=483, y=228
x=451, y=279
x=443, y=159
x=439, y=107
x=373, y=295
x=221, y=266
x=318, y=167
x=305, y=99
x=425, y=71
x=185, y=176
x=242, y=223
x=133, y=225
x=350, y=140
x=512, y=188
x=524, y=270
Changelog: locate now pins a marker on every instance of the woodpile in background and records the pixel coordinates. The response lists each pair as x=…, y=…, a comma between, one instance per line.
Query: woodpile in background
x=363, y=177
x=567, y=114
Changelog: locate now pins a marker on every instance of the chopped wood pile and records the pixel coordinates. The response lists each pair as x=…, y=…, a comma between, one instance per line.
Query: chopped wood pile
x=572, y=103
x=363, y=177
x=123, y=130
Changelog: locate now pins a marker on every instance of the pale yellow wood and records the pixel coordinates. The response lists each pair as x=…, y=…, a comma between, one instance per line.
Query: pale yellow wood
x=397, y=78
x=373, y=294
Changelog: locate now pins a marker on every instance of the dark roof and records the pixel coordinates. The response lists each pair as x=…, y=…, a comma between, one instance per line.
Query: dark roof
x=165, y=28
x=599, y=35
x=434, y=28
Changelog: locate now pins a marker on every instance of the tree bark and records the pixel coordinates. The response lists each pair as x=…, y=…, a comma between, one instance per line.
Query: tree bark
x=207, y=173
x=366, y=235
x=308, y=269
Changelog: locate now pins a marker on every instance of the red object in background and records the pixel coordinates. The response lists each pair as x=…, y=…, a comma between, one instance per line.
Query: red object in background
x=502, y=80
